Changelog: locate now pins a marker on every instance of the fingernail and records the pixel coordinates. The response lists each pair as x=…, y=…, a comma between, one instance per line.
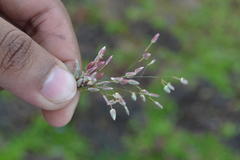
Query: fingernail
x=59, y=86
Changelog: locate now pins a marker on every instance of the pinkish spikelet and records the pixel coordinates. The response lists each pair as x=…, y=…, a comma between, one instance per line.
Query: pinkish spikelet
x=91, y=70
x=100, y=64
x=91, y=65
x=108, y=60
x=146, y=56
x=100, y=54
x=138, y=70
x=155, y=38
x=130, y=74
x=153, y=95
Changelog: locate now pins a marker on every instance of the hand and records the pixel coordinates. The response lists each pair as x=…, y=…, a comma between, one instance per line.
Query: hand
x=34, y=56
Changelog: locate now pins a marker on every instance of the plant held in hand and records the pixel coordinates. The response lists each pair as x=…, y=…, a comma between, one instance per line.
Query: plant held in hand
x=92, y=80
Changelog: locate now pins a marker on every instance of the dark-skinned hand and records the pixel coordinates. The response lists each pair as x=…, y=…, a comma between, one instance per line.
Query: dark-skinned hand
x=37, y=43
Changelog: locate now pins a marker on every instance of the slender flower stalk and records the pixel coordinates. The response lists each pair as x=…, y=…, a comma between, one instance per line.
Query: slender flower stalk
x=127, y=110
x=91, y=79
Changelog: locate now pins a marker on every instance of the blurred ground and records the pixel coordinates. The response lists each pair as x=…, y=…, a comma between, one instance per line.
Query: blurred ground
x=199, y=40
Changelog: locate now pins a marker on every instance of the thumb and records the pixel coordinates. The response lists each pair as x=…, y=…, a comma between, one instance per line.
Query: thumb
x=31, y=73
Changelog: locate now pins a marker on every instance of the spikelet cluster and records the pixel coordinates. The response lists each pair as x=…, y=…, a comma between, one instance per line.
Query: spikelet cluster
x=92, y=80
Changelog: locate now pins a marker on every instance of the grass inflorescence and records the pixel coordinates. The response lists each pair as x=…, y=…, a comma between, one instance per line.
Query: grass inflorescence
x=92, y=80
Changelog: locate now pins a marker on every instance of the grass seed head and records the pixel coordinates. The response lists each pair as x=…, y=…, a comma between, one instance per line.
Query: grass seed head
x=111, y=88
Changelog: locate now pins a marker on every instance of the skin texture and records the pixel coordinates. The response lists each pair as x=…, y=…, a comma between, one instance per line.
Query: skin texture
x=41, y=36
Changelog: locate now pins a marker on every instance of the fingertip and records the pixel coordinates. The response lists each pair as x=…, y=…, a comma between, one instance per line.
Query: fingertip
x=61, y=117
x=60, y=86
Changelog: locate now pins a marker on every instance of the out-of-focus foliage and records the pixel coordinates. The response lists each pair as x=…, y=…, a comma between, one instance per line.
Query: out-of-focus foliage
x=43, y=140
x=200, y=40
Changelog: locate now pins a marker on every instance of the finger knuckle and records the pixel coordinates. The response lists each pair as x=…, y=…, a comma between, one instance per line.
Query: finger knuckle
x=15, y=50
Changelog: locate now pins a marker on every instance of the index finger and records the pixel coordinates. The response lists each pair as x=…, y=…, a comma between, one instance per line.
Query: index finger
x=47, y=22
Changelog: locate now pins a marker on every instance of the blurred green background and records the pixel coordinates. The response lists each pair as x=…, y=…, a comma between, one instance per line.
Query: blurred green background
x=200, y=39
